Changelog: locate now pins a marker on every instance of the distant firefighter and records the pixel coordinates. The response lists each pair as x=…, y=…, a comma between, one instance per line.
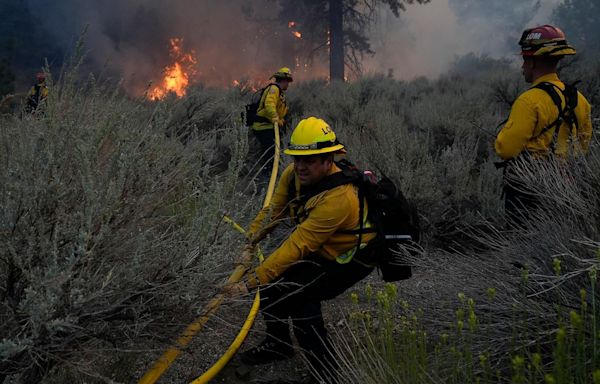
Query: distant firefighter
x=38, y=93
x=262, y=114
x=549, y=119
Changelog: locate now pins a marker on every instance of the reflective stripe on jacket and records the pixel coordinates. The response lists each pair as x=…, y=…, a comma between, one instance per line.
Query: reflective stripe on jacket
x=327, y=216
x=533, y=111
x=272, y=105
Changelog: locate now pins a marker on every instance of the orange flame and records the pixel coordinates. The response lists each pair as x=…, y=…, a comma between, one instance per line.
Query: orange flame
x=177, y=75
x=292, y=24
x=248, y=85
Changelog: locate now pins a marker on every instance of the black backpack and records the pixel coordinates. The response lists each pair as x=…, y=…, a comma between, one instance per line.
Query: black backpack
x=249, y=116
x=395, y=220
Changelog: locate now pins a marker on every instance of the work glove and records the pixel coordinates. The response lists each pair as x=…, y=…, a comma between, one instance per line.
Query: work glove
x=235, y=289
x=247, y=256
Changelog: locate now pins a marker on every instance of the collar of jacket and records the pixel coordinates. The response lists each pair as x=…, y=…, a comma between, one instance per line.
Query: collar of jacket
x=334, y=169
x=549, y=77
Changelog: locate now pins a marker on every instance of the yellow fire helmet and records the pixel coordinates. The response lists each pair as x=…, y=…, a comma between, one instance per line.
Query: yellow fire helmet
x=313, y=136
x=283, y=73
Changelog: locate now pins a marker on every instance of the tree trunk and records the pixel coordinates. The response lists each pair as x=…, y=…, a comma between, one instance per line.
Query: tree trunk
x=336, y=39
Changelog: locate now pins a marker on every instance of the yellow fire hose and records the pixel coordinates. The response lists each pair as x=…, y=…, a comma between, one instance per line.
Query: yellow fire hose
x=239, y=339
x=169, y=356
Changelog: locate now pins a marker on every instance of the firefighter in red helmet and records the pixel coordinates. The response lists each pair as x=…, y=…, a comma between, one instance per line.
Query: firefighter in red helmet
x=549, y=119
x=38, y=93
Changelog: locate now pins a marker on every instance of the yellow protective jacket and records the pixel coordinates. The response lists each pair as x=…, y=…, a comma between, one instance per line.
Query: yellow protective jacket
x=533, y=111
x=272, y=105
x=325, y=217
x=38, y=92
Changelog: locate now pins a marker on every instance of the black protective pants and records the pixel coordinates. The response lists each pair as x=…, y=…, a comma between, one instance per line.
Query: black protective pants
x=298, y=294
x=519, y=203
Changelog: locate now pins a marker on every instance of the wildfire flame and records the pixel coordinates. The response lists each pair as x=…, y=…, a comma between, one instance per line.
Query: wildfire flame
x=177, y=75
x=297, y=34
x=248, y=85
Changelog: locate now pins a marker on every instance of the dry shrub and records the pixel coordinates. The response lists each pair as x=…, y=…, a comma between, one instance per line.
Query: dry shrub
x=525, y=283
x=108, y=228
x=110, y=207
x=432, y=137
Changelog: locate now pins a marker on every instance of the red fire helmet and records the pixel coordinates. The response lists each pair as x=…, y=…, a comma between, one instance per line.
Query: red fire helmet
x=545, y=40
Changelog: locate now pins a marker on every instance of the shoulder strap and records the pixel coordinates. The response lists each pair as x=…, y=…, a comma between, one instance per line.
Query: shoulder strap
x=348, y=175
x=572, y=100
x=296, y=204
x=261, y=100
x=566, y=113
x=262, y=91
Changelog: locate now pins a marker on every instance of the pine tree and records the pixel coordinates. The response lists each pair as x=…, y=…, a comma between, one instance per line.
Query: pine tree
x=340, y=26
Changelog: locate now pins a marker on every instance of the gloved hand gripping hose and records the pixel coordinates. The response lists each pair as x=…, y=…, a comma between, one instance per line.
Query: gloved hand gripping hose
x=165, y=361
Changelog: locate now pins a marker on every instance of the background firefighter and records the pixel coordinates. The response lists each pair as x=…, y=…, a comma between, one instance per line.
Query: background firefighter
x=37, y=94
x=316, y=262
x=549, y=119
x=272, y=108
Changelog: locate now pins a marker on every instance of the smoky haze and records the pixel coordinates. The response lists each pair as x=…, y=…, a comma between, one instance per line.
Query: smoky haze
x=237, y=40
x=130, y=39
x=426, y=40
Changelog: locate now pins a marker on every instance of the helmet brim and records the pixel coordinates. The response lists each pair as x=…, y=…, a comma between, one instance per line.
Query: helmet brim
x=565, y=50
x=308, y=152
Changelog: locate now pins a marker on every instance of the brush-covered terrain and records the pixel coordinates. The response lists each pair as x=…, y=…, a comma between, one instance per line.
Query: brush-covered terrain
x=113, y=240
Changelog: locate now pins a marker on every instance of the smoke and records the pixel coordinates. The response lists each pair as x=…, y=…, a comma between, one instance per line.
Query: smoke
x=427, y=39
x=129, y=40
x=237, y=39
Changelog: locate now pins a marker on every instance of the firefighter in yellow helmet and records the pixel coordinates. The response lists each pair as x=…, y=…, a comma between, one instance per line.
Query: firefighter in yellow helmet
x=272, y=108
x=37, y=94
x=549, y=119
x=316, y=262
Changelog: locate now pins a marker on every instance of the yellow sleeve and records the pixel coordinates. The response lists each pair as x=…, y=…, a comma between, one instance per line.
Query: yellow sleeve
x=271, y=100
x=265, y=221
x=331, y=213
x=584, y=134
x=519, y=128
